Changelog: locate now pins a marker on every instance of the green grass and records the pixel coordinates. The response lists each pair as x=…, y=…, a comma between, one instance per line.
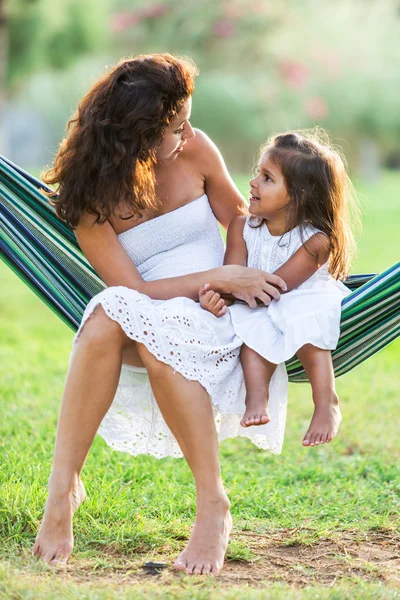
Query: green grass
x=140, y=508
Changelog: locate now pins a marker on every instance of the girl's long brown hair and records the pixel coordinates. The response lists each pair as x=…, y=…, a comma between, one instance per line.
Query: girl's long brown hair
x=320, y=191
x=107, y=158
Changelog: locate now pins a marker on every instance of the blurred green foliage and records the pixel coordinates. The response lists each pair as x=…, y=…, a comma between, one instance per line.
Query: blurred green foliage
x=265, y=66
x=44, y=34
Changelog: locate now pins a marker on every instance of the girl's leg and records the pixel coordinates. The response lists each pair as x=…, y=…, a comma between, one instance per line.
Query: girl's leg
x=327, y=416
x=257, y=373
x=186, y=408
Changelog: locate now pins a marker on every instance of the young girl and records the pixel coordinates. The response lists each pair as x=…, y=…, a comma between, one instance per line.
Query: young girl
x=299, y=229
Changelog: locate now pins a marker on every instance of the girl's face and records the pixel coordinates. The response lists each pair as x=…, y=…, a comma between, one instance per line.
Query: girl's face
x=178, y=131
x=268, y=194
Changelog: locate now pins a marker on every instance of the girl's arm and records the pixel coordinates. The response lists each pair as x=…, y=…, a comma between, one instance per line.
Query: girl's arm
x=109, y=259
x=305, y=261
x=236, y=250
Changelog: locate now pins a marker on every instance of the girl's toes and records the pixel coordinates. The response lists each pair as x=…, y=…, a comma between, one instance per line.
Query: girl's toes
x=323, y=438
x=264, y=419
x=207, y=569
x=306, y=440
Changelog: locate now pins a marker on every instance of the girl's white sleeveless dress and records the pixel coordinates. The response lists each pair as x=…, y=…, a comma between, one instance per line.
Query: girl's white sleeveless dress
x=181, y=334
x=308, y=314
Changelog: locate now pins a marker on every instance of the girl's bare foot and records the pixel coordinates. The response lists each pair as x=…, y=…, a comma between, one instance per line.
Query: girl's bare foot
x=207, y=545
x=55, y=540
x=324, y=423
x=256, y=411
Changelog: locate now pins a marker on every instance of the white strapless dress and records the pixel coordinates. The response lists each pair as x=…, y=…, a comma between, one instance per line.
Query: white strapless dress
x=309, y=314
x=181, y=334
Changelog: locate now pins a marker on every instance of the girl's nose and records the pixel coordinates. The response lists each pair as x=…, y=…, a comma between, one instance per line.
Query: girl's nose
x=188, y=131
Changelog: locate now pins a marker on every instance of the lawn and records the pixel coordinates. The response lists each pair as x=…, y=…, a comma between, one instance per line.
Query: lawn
x=311, y=523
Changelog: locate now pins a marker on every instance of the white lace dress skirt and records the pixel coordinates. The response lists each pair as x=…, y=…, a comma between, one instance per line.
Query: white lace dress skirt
x=310, y=314
x=192, y=341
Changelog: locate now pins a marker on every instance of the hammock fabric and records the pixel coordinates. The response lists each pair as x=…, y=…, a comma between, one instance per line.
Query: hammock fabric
x=44, y=253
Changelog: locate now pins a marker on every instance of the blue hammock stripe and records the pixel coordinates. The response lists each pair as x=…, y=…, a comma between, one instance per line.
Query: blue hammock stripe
x=43, y=251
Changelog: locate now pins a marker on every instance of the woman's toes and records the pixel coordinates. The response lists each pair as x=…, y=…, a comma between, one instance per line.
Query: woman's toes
x=47, y=558
x=207, y=569
x=198, y=570
x=59, y=561
x=189, y=569
x=323, y=438
x=216, y=568
x=180, y=564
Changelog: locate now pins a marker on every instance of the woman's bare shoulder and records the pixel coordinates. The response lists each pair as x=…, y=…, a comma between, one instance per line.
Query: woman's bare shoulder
x=202, y=148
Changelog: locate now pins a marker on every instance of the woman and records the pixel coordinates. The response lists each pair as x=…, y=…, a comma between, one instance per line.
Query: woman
x=126, y=174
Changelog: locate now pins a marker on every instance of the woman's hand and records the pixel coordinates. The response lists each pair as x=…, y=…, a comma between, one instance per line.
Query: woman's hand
x=247, y=284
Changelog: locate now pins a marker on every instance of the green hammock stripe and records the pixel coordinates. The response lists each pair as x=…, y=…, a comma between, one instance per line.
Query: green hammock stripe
x=44, y=253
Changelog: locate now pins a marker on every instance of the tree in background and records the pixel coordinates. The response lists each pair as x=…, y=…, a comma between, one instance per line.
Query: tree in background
x=42, y=34
x=267, y=66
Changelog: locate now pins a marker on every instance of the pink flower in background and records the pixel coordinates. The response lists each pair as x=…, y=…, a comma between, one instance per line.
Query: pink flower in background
x=123, y=20
x=224, y=29
x=295, y=73
x=154, y=11
x=233, y=10
x=316, y=108
x=259, y=7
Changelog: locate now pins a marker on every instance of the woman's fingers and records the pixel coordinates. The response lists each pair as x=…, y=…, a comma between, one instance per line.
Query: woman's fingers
x=275, y=280
x=272, y=292
x=265, y=298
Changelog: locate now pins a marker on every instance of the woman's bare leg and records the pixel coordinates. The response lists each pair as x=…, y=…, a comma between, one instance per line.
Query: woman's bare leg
x=186, y=408
x=90, y=387
x=327, y=416
x=257, y=374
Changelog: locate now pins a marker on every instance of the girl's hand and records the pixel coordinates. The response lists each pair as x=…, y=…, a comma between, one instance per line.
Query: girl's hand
x=248, y=284
x=212, y=301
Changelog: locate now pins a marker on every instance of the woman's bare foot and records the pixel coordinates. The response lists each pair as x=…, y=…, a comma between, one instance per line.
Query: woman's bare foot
x=206, y=549
x=256, y=411
x=324, y=423
x=55, y=540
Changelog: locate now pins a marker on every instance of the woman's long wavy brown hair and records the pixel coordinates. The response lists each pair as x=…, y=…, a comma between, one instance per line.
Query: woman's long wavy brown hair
x=320, y=191
x=107, y=158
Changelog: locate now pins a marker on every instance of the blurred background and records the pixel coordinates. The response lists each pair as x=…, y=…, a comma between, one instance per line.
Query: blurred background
x=265, y=66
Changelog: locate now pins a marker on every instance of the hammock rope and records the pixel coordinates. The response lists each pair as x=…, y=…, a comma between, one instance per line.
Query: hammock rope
x=43, y=251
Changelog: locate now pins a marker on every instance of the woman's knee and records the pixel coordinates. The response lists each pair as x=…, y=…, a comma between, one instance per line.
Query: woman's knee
x=99, y=329
x=152, y=363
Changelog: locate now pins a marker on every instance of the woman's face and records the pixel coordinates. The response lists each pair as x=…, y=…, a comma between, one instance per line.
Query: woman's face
x=179, y=130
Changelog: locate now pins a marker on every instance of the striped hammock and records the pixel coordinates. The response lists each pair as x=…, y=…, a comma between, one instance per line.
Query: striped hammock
x=44, y=253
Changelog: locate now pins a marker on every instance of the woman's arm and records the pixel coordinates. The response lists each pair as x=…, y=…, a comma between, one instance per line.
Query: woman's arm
x=305, y=261
x=225, y=199
x=109, y=259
